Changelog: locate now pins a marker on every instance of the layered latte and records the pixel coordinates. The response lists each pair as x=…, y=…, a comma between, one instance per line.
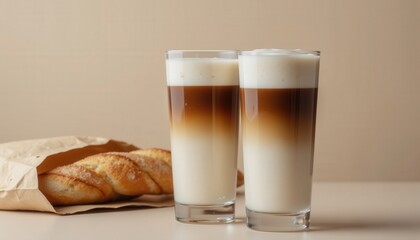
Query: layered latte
x=278, y=103
x=204, y=108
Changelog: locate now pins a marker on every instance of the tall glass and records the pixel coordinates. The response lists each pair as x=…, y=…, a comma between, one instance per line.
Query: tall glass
x=203, y=91
x=278, y=108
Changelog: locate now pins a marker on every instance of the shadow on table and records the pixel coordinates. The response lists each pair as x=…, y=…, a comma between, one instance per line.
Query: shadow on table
x=363, y=225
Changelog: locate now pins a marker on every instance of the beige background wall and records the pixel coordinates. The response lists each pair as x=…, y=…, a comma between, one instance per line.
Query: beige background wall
x=96, y=67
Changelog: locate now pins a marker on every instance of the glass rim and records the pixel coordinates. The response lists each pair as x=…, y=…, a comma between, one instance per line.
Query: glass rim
x=279, y=52
x=218, y=54
x=201, y=50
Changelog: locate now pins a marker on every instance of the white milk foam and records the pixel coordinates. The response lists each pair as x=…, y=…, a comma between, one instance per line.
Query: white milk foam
x=202, y=72
x=273, y=68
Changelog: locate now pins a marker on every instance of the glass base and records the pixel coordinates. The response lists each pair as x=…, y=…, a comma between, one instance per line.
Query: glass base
x=278, y=222
x=205, y=213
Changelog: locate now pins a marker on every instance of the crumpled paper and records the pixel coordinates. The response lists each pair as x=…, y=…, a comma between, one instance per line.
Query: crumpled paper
x=21, y=162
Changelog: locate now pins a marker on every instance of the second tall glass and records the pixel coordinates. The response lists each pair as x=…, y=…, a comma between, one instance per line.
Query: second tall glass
x=203, y=97
x=278, y=97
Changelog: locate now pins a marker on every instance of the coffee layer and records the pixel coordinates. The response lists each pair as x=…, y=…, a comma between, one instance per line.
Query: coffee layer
x=204, y=108
x=288, y=114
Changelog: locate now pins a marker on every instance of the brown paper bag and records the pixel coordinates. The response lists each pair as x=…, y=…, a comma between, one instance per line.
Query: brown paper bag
x=21, y=162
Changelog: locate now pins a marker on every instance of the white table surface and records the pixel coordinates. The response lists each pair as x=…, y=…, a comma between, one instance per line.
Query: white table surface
x=347, y=210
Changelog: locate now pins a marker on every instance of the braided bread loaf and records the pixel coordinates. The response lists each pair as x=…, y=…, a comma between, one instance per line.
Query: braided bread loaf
x=110, y=176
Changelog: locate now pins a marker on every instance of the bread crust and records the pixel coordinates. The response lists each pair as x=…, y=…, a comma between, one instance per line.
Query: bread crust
x=108, y=176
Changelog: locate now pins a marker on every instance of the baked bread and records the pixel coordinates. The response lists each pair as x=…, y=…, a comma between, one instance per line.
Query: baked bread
x=110, y=176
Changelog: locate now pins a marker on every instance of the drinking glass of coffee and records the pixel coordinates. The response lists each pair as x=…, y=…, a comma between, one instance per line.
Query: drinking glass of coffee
x=203, y=89
x=278, y=90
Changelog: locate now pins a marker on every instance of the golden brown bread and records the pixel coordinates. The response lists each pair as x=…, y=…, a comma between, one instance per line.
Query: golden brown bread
x=110, y=176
